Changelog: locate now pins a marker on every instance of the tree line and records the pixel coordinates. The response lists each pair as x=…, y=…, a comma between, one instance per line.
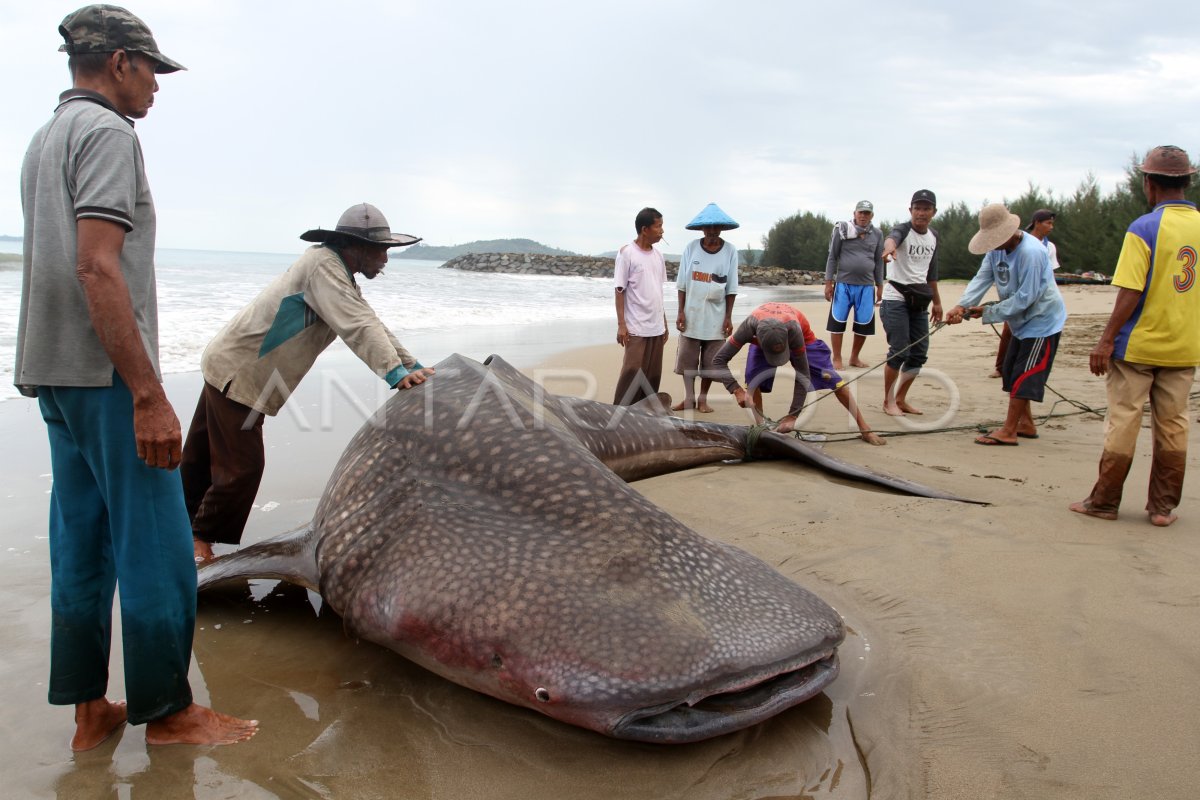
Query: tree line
x=1088, y=230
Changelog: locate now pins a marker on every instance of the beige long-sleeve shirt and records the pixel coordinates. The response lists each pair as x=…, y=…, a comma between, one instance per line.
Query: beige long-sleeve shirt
x=262, y=354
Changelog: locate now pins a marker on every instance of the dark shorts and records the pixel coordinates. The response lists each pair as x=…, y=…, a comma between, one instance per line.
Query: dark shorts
x=907, y=332
x=859, y=299
x=690, y=352
x=1027, y=364
x=820, y=368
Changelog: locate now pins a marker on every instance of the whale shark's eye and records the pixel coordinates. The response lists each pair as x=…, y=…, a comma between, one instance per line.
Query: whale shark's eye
x=542, y=695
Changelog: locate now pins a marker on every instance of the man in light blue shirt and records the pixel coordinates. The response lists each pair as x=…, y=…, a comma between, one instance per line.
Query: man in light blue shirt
x=1018, y=265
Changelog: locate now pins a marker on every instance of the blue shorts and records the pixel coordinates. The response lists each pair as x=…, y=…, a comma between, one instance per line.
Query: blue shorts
x=820, y=368
x=849, y=297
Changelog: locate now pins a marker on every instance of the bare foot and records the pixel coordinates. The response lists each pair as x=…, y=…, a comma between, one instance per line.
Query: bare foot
x=199, y=725
x=1084, y=507
x=893, y=410
x=1162, y=520
x=994, y=373
x=870, y=437
x=682, y=405
x=907, y=409
x=202, y=550
x=95, y=721
x=857, y=362
x=704, y=408
x=837, y=362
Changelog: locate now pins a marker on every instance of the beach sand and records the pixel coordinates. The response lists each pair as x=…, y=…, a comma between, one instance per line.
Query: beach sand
x=1010, y=650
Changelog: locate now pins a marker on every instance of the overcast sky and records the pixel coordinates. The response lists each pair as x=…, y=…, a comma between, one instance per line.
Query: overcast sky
x=557, y=121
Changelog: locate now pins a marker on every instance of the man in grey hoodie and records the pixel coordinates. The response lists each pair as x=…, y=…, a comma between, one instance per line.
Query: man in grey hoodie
x=854, y=281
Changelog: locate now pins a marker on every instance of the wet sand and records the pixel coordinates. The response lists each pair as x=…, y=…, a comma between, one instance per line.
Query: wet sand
x=1007, y=650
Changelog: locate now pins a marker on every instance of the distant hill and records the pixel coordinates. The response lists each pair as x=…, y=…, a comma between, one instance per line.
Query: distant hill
x=445, y=253
x=4, y=238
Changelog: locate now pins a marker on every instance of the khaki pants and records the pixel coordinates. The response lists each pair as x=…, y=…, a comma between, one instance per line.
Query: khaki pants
x=1129, y=386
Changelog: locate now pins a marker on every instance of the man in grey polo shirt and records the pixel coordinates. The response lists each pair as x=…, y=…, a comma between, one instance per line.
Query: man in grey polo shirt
x=87, y=349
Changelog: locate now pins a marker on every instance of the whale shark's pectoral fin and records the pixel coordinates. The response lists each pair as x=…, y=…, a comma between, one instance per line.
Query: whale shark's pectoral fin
x=290, y=557
x=778, y=445
x=658, y=405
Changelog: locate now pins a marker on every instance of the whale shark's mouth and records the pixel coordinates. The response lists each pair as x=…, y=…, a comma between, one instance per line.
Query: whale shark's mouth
x=725, y=712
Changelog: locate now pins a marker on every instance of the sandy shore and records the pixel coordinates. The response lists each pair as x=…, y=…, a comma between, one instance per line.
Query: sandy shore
x=1004, y=650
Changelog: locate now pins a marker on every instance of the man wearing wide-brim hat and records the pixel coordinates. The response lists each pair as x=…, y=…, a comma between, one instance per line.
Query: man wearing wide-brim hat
x=1150, y=347
x=256, y=361
x=707, y=285
x=1017, y=265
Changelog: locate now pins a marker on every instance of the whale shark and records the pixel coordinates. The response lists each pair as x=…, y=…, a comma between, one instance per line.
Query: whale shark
x=485, y=529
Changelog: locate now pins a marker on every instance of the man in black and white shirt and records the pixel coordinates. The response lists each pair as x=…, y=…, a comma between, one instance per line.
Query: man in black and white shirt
x=910, y=293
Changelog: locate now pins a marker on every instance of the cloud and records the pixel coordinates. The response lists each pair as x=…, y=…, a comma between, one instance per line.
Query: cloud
x=469, y=120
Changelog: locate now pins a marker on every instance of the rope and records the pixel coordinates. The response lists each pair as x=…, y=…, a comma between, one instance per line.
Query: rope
x=982, y=427
x=753, y=434
x=937, y=326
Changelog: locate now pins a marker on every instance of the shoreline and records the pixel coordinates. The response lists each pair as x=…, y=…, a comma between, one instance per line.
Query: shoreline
x=1013, y=649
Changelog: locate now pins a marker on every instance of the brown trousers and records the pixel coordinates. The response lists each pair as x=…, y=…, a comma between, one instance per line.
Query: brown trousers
x=1129, y=385
x=641, y=369
x=221, y=467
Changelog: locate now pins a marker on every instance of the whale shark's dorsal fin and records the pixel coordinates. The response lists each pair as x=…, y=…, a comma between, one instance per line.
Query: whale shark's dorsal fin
x=290, y=557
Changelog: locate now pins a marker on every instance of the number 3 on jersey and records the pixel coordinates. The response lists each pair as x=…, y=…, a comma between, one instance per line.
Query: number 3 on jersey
x=1188, y=279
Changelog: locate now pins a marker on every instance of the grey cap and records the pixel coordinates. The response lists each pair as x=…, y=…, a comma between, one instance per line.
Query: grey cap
x=774, y=341
x=106, y=29
x=364, y=222
x=865, y=205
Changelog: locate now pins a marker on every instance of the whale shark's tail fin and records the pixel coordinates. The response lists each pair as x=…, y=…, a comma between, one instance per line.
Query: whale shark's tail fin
x=776, y=445
x=290, y=557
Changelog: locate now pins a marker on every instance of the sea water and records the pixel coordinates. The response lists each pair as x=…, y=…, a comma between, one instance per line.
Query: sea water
x=200, y=290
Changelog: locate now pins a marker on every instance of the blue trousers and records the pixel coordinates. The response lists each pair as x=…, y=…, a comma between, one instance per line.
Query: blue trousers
x=115, y=521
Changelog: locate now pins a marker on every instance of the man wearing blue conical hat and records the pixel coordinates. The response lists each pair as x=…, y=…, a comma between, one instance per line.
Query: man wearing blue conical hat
x=707, y=285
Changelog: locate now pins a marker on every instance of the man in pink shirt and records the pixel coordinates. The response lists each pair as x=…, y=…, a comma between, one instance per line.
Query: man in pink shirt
x=639, y=276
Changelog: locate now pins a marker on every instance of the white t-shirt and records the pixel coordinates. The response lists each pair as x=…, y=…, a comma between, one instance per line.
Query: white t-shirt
x=914, y=254
x=641, y=275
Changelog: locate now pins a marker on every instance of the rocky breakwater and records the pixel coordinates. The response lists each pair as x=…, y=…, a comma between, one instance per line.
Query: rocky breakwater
x=599, y=267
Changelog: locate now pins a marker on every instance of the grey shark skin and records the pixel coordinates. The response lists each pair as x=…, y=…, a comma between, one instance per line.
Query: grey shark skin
x=484, y=529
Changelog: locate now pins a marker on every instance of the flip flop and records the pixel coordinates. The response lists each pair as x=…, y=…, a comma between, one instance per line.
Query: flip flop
x=1028, y=435
x=992, y=441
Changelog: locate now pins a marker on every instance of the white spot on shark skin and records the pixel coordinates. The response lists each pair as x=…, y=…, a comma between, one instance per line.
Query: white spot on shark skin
x=269, y=507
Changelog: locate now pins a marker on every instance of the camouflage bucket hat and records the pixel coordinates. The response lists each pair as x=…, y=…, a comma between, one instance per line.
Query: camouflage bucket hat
x=365, y=223
x=106, y=29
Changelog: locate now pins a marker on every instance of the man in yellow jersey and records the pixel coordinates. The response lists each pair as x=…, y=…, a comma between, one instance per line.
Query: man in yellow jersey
x=1151, y=345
